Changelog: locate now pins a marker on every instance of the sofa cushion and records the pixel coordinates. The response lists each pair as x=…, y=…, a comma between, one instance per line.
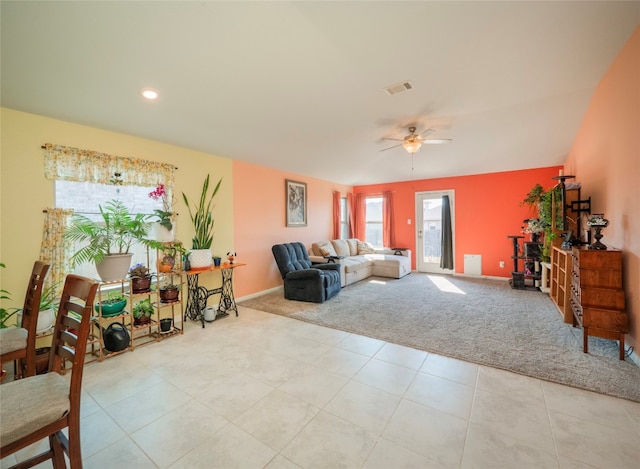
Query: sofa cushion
x=355, y=263
x=365, y=248
x=353, y=246
x=325, y=248
x=341, y=247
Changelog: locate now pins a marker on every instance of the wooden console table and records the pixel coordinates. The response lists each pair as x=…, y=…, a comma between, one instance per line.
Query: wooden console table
x=198, y=295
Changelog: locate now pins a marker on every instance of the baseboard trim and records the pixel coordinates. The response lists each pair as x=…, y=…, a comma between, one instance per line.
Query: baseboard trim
x=260, y=293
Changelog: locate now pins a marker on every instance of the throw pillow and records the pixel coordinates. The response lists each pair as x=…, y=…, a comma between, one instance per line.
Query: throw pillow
x=365, y=248
x=327, y=250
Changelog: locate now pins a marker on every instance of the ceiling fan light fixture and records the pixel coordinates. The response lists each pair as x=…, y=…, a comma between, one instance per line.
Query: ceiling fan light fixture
x=412, y=146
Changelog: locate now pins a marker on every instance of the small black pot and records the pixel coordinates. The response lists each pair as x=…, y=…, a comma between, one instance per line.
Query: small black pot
x=165, y=324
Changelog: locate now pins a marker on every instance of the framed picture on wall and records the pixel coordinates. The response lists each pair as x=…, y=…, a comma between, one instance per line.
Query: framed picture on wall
x=296, y=203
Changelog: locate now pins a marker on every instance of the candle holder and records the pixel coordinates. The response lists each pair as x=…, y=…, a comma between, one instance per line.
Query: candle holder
x=597, y=222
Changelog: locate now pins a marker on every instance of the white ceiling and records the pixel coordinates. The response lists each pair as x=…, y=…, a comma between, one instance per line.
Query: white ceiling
x=299, y=86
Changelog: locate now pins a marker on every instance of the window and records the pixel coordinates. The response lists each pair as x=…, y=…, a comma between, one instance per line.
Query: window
x=344, y=218
x=86, y=197
x=373, y=221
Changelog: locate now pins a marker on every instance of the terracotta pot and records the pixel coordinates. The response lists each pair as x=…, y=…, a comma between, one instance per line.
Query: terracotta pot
x=42, y=360
x=142, y=320
x=167, y=295
x=140, y=284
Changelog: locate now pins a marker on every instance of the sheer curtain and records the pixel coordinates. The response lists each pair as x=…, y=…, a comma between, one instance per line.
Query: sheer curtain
x=388, y=228
x=53, y=249
x=75, y=164
x=336, y=215
x=446, y=258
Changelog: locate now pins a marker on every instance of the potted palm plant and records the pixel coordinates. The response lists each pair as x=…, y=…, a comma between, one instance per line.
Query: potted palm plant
x=202, y=220
x=109, y=240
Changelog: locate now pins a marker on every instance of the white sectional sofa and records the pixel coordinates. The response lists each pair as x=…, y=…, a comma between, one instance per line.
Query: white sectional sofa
x=359, y=260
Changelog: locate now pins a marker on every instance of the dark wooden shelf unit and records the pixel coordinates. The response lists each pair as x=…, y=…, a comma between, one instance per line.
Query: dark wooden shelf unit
x=597, y=298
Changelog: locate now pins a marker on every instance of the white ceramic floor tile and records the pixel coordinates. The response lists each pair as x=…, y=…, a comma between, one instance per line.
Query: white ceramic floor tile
x=175, y=434
x=388, y=455
x=401, y=355
x=484, y=448
x=426, y=431
x=441, y=394
x=587, y=405
x=527, y=421
x=361, y=344
x=314, y=386
x=364, y=406
x=233, y=396
x=592, y=443
x=123, y=453
x=276, y=419
x=97, y=431
x=451, y=369
x=510, y=384
x=280, y=462
x=341, y=362
x=386, y=376
x=229, y=448
x=132, y=413
x=328, y=442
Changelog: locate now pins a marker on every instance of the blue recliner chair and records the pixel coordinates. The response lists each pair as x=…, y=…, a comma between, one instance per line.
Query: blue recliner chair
x=303, y=281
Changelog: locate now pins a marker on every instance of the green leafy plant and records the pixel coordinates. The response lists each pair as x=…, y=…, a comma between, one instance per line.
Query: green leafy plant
x=6, y=313
x=201, y=216
x=138, y=270
x=546, y=203
x=143, y=308
x=49, y=298
x=114, y=234
x=113, y=297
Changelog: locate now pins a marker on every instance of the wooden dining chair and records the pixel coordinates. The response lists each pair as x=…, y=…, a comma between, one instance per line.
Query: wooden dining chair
x=19, y=343
x=44, y=405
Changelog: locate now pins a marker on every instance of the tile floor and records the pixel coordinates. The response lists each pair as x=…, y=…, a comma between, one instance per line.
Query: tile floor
x=265, y=391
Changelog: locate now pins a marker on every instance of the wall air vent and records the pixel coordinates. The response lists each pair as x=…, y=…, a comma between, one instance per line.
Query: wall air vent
x=398, y=88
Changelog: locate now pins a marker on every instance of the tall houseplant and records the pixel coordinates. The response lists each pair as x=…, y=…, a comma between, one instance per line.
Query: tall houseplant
x=203, y=222
x=109, y=240
x=545, y=204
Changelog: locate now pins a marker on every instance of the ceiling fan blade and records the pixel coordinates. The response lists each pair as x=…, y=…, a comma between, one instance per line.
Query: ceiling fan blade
x=395, y=146
x=395, y=139
x=435, y=141
x=427, y=131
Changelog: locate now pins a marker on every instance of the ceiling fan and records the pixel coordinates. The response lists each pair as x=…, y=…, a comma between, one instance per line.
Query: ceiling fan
x=412, y=142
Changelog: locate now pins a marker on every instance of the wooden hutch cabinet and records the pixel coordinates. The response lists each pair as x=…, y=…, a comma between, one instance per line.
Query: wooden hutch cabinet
x=597, y=298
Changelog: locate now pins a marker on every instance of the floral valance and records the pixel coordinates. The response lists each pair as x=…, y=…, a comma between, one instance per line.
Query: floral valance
x=74, y=164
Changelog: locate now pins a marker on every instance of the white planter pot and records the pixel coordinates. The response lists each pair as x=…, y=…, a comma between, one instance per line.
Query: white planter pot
x=46, y=317
x=114, y=267
x=164, y=235
x=210, y=313
x=200, y=258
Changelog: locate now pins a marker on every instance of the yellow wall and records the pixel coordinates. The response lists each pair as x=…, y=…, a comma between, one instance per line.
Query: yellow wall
x=24, y=192
x=605, y=158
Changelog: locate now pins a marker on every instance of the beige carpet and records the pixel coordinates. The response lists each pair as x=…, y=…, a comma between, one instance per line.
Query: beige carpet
x=477, y=320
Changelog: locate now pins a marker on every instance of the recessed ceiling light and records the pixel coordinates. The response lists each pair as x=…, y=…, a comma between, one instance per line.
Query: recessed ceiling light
x=149, y=93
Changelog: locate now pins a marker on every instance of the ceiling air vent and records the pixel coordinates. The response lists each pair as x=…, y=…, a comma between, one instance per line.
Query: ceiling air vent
x=398, y=88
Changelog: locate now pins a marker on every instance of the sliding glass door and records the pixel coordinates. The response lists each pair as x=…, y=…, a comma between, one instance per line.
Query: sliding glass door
x=429, y=231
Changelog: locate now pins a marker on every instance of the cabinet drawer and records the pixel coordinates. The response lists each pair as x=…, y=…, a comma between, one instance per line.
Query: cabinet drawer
x=601, y=278
x=606, y=298
x=605, y=319
x=605, y=260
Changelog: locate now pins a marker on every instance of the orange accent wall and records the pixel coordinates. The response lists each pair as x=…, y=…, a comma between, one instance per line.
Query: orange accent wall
x=487, y=210
x=605, y=158
x=259, y=221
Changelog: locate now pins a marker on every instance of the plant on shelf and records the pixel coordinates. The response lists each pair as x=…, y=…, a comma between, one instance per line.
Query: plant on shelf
x=112, y=305
x=167, y=256
x=109, y=239
x=201, y=216
x=142, y=311
x=164, y=216
x=140, y=278
x=545, y=204
x=169, y=292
